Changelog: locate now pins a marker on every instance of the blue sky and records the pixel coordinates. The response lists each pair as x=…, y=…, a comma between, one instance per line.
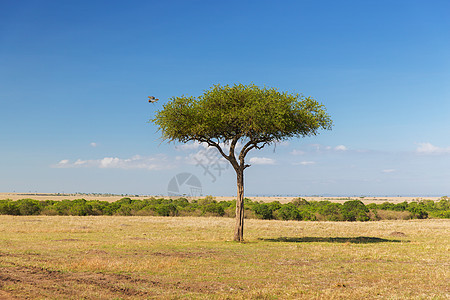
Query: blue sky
x=75, y=76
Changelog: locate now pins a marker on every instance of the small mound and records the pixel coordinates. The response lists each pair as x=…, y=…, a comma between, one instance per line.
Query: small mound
x=397, y=233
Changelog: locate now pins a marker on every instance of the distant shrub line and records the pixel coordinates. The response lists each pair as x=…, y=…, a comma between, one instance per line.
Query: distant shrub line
x=298, y=209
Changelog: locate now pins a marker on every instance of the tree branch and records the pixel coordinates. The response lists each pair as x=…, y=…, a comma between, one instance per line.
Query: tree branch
x=245, y=150
x=214, y=144
x=232, y=156
x=247, y=147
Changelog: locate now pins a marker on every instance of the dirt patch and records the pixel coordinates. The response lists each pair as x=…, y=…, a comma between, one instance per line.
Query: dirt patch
x=6, y=296
x=30, y=282
x=49, y=282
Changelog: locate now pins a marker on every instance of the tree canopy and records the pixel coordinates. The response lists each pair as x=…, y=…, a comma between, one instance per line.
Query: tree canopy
x=259, y=115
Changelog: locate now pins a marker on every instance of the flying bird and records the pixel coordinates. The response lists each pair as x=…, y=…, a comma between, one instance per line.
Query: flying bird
x=152, y=99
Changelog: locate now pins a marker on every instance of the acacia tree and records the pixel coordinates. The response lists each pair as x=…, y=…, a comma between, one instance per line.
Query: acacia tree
x=251, y=115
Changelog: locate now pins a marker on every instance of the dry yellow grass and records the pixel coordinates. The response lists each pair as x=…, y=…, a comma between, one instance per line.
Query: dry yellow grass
x=65, y=257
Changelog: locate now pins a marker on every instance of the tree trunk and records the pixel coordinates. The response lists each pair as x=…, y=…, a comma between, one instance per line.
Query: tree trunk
x=239, y=227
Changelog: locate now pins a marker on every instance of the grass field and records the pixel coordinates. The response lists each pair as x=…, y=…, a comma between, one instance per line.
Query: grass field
x=64, y=257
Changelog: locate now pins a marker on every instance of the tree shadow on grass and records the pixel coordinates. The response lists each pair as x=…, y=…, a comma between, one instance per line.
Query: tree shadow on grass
x=353, y=240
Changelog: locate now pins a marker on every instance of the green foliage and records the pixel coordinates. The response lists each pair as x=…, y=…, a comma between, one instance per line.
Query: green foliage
x=166, y=210
x=355, y=210
x=263, y=211
x=214, y=209
x=300, y=202
x=288, y=212
x=8, y=207
x=331, y=212
x=441, y=214
x=443, y=204
x=28, y=207
x=80, y=207
x=372, y=206
x=262, y=115
x=100, y=208
x=418, y=210
x=298, y=209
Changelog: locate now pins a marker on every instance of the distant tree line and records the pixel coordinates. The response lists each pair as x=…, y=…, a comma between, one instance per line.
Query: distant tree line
x=298, y=209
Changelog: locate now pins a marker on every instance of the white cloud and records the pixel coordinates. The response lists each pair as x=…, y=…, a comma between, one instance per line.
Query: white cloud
x=428, y=148
x=262, y=161
x=305, y=163
x=317, y=148
x=113, y=162
x=388, y=170
x=159, y=162
x=340, y=148
x=79, y=162
x=93, y=144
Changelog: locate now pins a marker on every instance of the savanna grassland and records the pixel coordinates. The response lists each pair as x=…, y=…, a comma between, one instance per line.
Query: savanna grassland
x=117, y=257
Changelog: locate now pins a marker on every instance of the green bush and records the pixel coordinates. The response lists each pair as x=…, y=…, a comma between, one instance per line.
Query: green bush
x=263, y=211
x=99, y=208
x=80, y=207
x=213, y=208
x=417, y=210
x=166, y=210
x=331, y=212
x=298, y=209
x=372, y=206
x=441, y=214
x=124, y=201
x=8, y=207
x=307, y=216
x=300, y=202
x=288, y=212
x=28, y=207
x=443, y=204
x=355, y=210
